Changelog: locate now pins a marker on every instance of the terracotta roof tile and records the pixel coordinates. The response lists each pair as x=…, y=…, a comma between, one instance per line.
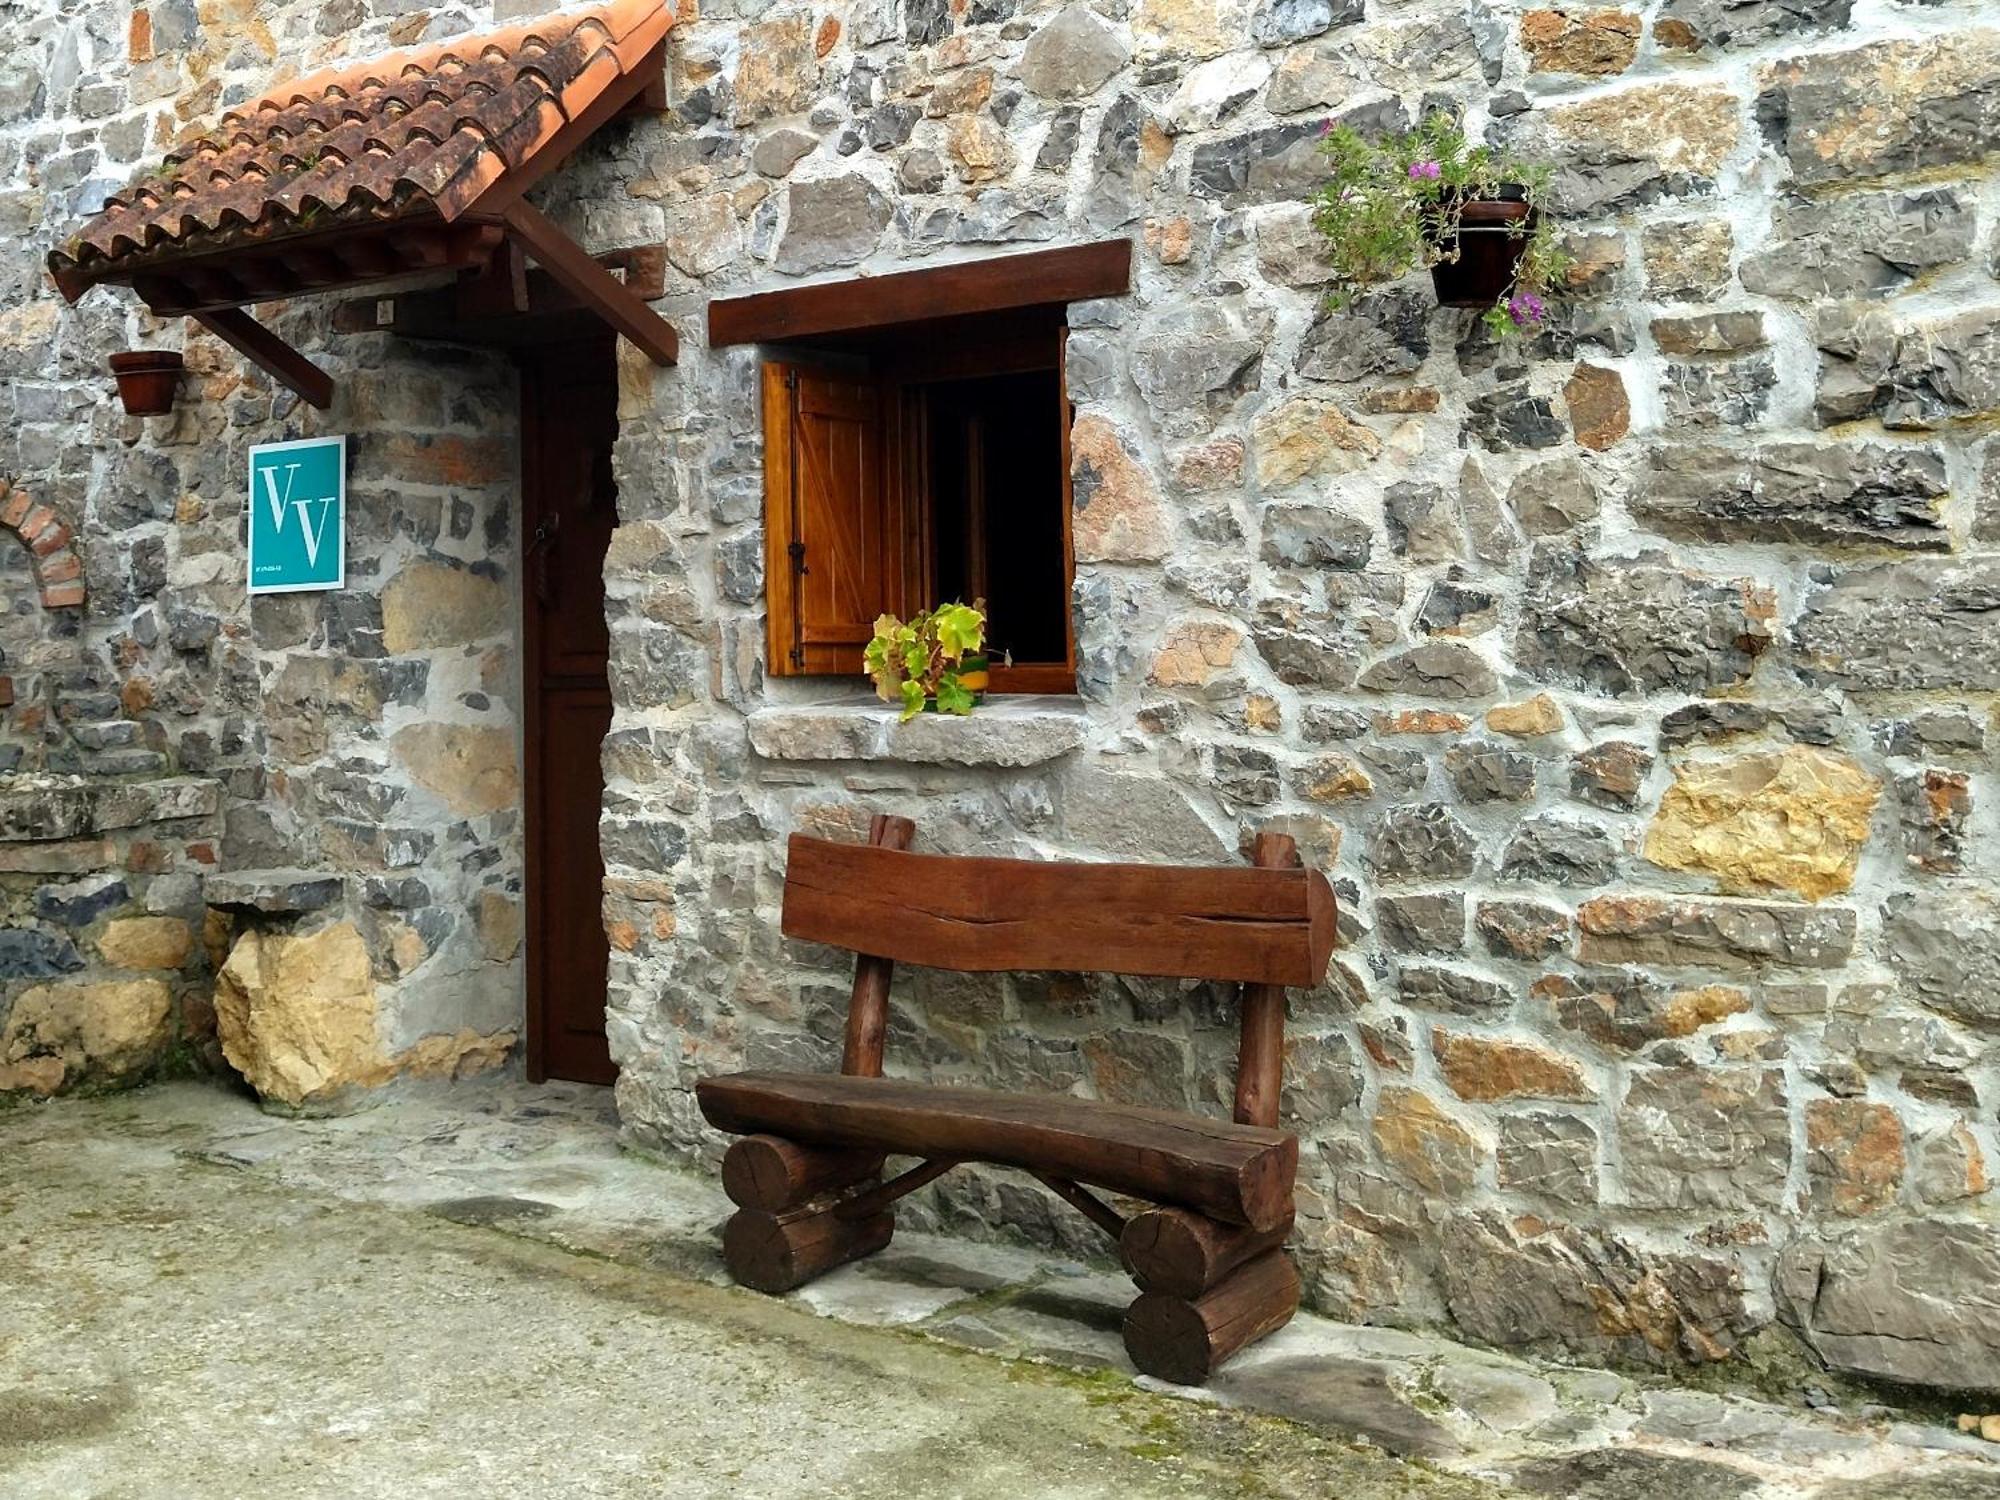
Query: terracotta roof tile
x=419, y=131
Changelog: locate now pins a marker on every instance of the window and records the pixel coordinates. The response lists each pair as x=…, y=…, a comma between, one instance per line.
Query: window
x=913, y=464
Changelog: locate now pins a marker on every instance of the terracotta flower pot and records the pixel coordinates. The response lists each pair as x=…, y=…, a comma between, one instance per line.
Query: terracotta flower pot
x=1492, y=235
x=146, y=380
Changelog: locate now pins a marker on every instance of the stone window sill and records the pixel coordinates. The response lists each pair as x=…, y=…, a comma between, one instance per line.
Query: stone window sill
x=1012, y=730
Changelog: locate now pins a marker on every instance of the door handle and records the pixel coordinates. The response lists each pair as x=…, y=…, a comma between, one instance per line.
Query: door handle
x=537, y=552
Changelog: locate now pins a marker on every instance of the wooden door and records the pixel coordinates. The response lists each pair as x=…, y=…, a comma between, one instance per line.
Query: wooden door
x=569, y=417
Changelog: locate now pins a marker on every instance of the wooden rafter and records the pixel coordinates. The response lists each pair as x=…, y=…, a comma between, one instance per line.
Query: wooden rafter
x=269, y=353
x=592, y=285
x=461, y=314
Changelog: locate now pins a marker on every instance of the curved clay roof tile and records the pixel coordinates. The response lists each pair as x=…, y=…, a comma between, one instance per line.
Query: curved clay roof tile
x=421, y=130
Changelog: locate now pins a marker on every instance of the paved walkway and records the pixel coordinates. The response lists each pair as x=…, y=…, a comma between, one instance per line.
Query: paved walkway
x=472, y=1292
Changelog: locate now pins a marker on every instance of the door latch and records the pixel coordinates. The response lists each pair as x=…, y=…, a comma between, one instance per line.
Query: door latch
x=536, y=554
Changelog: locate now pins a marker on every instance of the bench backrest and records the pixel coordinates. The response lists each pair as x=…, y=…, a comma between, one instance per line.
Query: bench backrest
x=1270, y=927
x=1254, y=926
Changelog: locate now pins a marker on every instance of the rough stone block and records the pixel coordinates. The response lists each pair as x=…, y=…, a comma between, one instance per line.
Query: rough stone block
x=1679, y=931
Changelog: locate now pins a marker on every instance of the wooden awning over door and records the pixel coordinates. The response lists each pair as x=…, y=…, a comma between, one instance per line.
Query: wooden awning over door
x=415, y=161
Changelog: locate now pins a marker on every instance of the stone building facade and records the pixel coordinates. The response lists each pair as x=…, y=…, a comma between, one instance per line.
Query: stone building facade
x=1636, y=685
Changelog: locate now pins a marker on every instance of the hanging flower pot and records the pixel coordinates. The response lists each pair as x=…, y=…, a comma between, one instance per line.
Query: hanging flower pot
x=1479, y=265
x=1431, y=200
x=146, y=380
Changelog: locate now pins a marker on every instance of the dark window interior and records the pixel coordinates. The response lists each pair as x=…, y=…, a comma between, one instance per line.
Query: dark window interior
x=976, y=439
x=995, y=482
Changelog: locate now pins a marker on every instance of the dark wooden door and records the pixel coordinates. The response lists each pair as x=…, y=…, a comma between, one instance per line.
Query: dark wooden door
x=569, y=417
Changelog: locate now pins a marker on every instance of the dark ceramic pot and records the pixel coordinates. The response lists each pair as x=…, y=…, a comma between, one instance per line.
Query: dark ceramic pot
x=1492, y=234
x=146, y=380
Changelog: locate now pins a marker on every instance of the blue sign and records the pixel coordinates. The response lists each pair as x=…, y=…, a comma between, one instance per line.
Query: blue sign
x=298, y=515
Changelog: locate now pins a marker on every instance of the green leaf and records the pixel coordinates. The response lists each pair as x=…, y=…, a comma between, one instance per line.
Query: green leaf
x=952, y=695
x=960, y=628
x=913, y=699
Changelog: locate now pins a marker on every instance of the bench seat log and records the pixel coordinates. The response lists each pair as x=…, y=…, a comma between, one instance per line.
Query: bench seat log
x=1241, y=1174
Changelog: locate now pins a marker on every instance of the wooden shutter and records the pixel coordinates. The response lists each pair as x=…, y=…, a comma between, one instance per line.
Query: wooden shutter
x=833, y=546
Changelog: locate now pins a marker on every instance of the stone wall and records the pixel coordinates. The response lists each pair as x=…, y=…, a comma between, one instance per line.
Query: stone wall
x=1635, y=685
x=334, y=732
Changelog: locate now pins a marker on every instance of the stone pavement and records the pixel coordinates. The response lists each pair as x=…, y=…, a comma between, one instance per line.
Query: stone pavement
x=472, y=1290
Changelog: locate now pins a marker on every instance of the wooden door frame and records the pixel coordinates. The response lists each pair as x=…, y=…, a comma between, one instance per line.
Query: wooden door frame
x=529, y=362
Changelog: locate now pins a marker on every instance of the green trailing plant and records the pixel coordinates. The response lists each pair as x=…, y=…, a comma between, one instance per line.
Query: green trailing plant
x=922, y=661
x=1393, y=205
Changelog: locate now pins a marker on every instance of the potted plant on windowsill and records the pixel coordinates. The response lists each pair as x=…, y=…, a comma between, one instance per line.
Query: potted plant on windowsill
x=935, y=663
x=146, y=380
x=1429, y=199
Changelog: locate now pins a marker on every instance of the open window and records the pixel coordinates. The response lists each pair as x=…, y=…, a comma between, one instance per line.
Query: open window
x=931, y=466
x=916, y=460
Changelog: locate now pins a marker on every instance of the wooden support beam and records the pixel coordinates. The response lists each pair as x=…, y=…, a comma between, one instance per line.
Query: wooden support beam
x=367, y=257
x=1085, y=1202
x=868, y=1005
x=553, y=314
x=591, y=284
x=499, y=289
x=269, y=353
x=875, y=1200
x=1000, y=283
x=1260, y=1059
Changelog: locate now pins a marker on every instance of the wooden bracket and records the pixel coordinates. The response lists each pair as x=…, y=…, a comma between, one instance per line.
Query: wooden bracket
x=269, y=353
x=500, y=287
x=592, y=285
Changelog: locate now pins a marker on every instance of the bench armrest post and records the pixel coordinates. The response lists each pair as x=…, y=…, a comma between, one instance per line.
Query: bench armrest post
x=868, y=1006
x=1260, y=1057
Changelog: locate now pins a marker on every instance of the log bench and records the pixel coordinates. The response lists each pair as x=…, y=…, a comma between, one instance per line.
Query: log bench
x=1207, y=1248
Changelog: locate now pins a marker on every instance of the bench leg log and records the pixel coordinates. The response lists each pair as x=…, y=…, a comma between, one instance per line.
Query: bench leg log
x=1180, y=1253
x=774, y=1253
x=774, y=1174
x=1186, y=1339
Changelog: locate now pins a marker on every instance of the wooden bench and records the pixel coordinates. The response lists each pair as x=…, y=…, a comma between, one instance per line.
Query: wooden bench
x=1208, y=1258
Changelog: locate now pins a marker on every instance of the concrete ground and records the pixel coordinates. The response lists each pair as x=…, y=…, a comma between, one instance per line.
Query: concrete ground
x=471, y=1292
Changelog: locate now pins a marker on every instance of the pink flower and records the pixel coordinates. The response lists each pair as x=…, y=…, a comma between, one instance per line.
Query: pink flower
x=1425, y=171
x=1526, y=309
x=1326, y=128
